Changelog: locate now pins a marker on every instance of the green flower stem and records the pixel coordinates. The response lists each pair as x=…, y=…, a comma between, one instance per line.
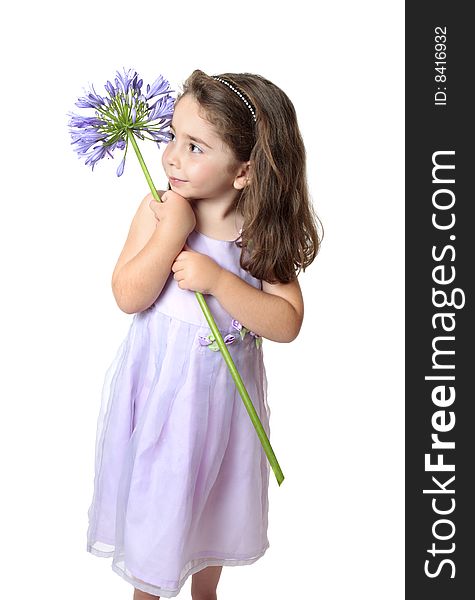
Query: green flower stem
x=132, y=139
x=241, y=389
x=222, y=346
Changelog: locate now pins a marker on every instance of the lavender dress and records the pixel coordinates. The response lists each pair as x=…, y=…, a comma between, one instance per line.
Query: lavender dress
x=181, y=479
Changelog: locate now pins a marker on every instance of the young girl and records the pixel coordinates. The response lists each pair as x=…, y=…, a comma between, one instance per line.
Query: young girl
x=181, y=479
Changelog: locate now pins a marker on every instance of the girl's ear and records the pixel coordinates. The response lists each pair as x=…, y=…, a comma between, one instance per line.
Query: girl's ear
x=243, y=176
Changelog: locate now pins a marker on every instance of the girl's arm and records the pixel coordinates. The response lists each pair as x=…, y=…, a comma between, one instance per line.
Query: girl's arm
x=145, y=262
x=275, y=313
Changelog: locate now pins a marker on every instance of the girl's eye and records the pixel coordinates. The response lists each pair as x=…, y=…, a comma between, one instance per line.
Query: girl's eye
x=195, y=149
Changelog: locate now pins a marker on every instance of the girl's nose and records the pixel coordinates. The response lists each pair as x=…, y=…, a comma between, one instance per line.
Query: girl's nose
x=171, y=155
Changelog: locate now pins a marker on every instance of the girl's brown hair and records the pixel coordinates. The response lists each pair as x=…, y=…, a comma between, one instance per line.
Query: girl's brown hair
x=279, y=236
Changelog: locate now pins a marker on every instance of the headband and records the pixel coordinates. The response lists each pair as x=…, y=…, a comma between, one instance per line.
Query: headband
x=240, y=94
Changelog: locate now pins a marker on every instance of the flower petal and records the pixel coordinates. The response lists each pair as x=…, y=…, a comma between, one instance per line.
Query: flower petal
x=120, y=168
x=110, y=89
x=124, y=80
x=236, y=324
x=159, y=86
x=204, y=341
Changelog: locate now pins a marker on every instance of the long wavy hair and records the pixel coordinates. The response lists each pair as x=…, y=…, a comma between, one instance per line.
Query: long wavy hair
x=279, y=237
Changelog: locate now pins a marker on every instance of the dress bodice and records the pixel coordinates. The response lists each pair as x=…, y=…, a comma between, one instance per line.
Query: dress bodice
x=182, y=304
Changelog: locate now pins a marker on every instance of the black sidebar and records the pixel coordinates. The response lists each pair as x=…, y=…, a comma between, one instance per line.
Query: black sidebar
x=440, y=273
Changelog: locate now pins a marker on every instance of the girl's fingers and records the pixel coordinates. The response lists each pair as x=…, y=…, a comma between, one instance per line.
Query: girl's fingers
x=181, y=256
x=177, y=267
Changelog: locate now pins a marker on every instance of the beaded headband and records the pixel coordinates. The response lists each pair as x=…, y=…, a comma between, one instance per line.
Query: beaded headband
x=240, y=94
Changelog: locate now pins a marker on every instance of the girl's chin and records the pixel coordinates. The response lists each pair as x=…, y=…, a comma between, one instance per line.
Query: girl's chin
x=179, y=187
x=190, y=197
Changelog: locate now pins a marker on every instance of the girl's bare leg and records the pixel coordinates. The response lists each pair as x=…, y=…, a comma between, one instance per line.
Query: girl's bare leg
x=139, y=595
x=204, y=583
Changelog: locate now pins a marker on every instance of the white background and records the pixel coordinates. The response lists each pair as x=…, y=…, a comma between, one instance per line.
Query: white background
x=336, y=393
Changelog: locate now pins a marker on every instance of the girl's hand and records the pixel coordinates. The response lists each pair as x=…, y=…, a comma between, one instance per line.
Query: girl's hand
x=174, y=213
x=195, y=271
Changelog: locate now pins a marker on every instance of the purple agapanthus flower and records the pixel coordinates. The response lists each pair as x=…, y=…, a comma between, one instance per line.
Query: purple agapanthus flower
x=123, y=111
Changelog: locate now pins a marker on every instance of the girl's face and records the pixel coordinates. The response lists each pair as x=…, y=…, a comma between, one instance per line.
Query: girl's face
x=196, y=161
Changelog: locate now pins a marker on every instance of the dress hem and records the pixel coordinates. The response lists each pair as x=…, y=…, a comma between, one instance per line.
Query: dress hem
x=193, y=566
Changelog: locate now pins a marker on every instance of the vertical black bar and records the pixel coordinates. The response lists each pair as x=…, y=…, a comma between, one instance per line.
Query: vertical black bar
x=440, y=270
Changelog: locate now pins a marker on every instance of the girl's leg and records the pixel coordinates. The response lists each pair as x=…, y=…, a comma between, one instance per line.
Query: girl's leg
x=204, y=582
x=139, y=595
